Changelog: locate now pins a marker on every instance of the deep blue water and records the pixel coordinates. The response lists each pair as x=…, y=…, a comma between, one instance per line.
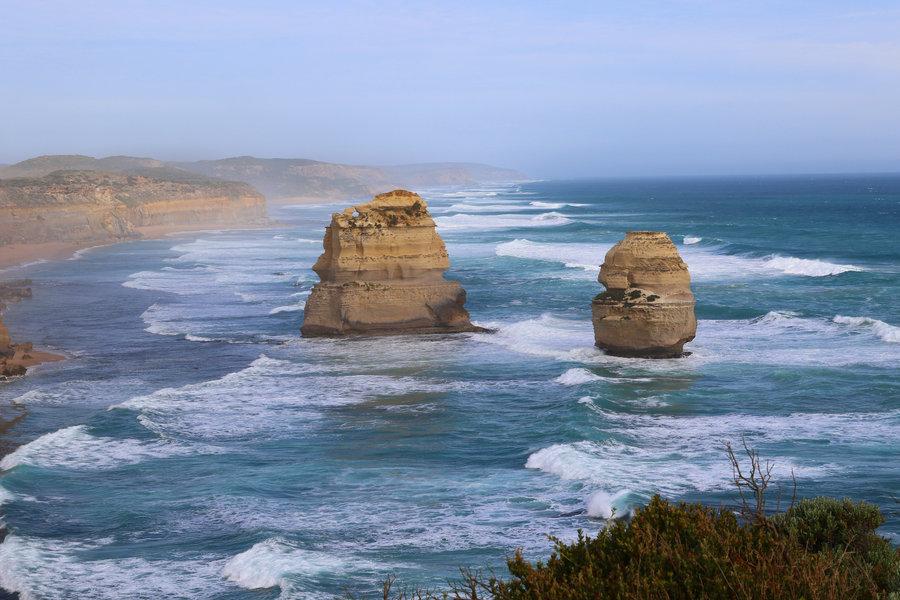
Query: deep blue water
x=195, y=446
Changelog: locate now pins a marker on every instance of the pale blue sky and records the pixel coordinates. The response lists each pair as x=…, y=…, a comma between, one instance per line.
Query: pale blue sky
x=561, y=89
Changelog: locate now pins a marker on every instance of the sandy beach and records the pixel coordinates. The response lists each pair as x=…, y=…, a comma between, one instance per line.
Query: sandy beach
x=13, y=256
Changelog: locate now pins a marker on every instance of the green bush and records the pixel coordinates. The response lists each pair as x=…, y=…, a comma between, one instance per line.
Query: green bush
x=831, y=525
x=822, y=523
x=818, y=549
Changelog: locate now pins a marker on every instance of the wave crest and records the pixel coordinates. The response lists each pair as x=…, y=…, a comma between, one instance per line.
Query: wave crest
x=888, y=333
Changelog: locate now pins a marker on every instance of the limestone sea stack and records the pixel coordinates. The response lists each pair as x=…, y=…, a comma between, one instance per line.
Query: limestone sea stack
x=647, y=309
x=382, y=272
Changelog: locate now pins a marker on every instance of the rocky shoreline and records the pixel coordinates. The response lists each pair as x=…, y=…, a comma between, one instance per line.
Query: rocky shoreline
x=17, y=357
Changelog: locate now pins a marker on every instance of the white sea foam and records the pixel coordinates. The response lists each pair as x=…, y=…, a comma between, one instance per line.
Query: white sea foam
x=6, y=496
x=605, y=505
x=888, y=333
x=79, y=254
x=77, y=392
x=288, y=308
x=704, y=263
x=807, y=267
x=553, y=205
x=578, y=376
x=580, y=256
x=23, y=265
x=272, y=397
x=75, y=448
x=677, y=454
x=487, y=208
x=272, y=562
x=689, y=240
x=777, y=338
x=501, y=221
x=195, y=319
x=465, y=194
x=48, y=569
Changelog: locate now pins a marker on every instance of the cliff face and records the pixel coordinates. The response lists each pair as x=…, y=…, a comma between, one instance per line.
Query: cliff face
x=382, y=272
x=91, y=206
x=647, y=309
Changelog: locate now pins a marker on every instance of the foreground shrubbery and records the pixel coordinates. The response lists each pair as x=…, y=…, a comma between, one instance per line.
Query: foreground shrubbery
x=820, y=548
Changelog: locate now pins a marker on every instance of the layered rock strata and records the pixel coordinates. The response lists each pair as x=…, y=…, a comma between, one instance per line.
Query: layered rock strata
x=382, y=272
x=647, y=309
x=95, y=207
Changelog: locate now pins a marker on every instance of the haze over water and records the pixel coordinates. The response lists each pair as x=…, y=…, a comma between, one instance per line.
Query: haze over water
x=309, y=467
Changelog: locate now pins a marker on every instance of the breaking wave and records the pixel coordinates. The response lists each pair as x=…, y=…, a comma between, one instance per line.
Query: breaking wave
x=704, y=263
x=554, y=205
x=502, y=221
x=886, y=332
x=75, y=448
x=275, y=561
x=673, y=455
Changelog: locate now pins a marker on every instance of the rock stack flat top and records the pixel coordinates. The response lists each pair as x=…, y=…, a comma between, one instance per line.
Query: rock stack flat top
x=382, y=272
x=647, y=309
x=390, y=238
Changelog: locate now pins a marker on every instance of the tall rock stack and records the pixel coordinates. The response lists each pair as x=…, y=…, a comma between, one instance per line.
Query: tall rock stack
x=382, y=272
x=647, y=309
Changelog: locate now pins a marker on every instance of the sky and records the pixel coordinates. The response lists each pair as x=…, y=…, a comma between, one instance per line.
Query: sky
x=556, y=89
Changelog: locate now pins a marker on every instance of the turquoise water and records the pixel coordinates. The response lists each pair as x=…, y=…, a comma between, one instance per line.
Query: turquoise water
x=195, y=446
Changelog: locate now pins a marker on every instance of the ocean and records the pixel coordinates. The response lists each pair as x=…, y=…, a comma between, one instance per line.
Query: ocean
x=195, y=446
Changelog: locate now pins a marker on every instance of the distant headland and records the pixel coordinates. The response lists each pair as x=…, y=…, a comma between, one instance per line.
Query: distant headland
x=51, y=206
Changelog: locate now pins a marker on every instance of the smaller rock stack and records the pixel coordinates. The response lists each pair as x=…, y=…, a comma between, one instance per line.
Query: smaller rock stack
x=382, y=272
x=647, y=310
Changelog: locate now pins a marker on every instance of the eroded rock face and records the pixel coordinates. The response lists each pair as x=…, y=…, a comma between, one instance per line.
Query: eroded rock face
x=5, y=342
x=647, y=309
x=382, y=272
x=92, y=206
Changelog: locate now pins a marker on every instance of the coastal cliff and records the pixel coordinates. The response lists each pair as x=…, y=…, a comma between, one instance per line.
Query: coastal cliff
x=647, y=309
x=382, y=272
x=91, y=207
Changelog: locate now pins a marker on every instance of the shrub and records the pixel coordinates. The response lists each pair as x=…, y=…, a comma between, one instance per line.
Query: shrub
x=819, y=549
x=692, y=551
